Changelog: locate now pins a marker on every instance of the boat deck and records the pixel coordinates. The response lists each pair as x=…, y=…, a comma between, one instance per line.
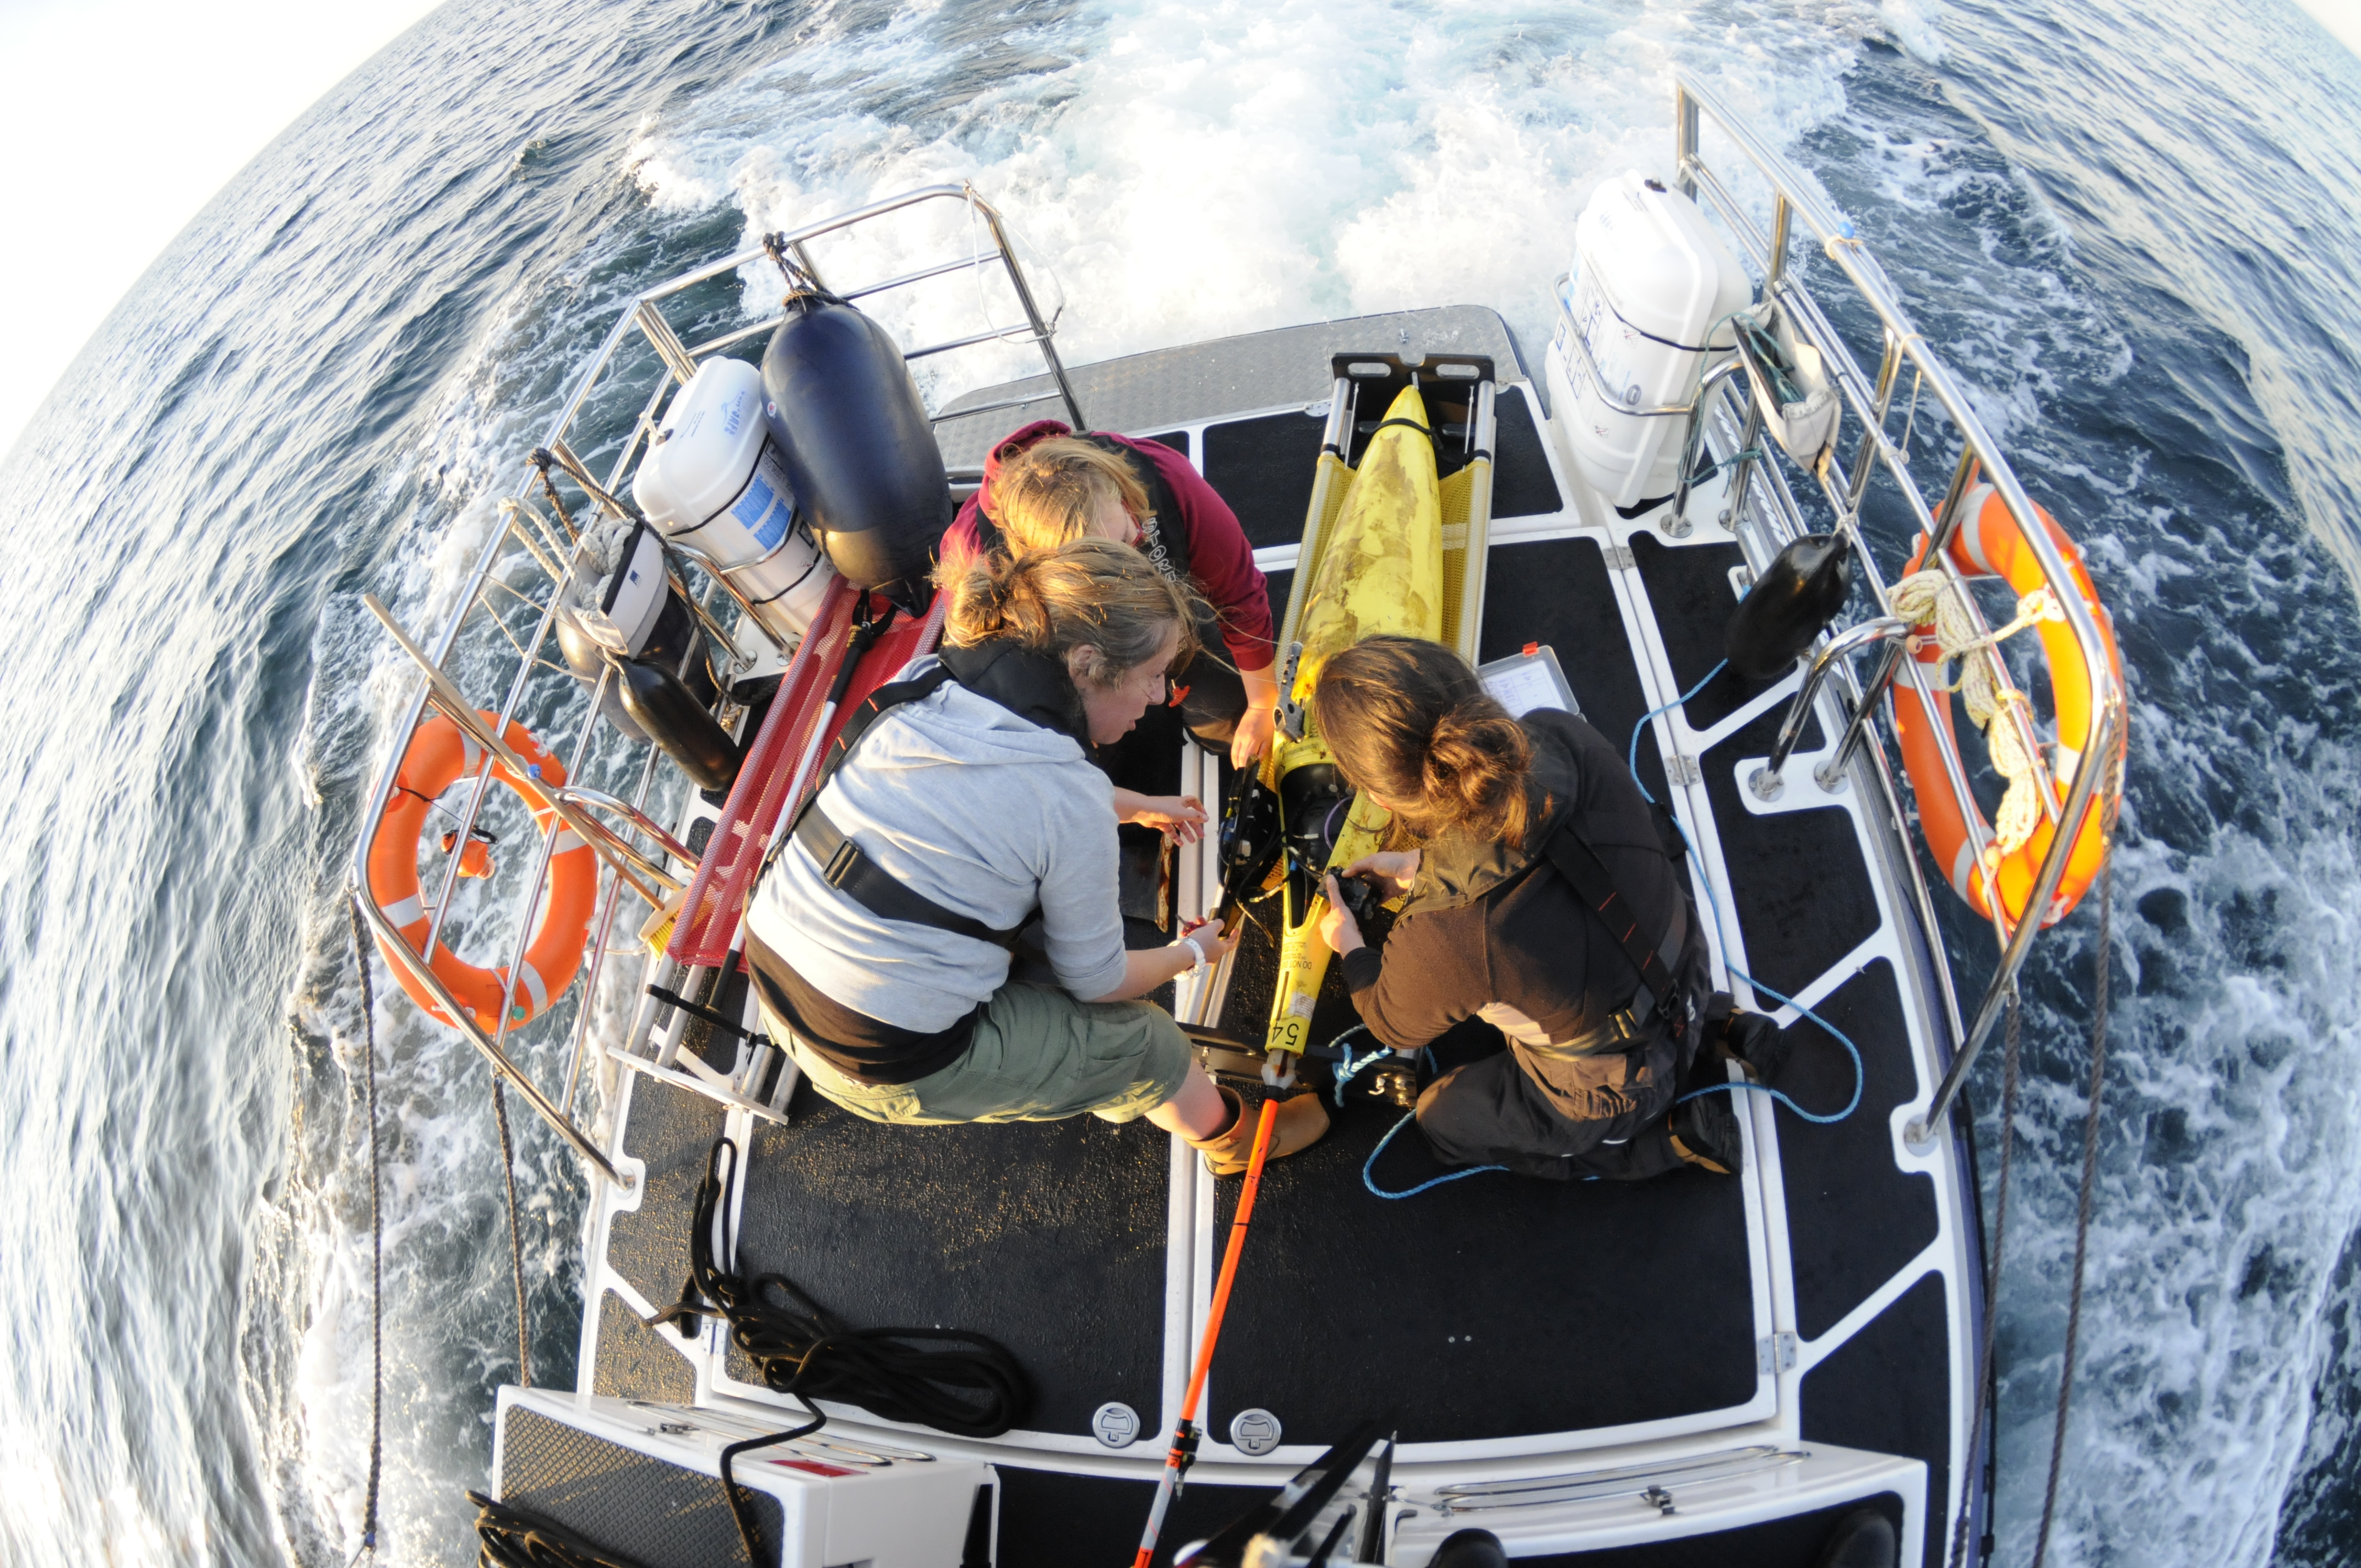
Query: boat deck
x=1797, y=1336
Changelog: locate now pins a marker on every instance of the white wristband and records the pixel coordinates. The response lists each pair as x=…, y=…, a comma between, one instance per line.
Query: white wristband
x=1191, y=943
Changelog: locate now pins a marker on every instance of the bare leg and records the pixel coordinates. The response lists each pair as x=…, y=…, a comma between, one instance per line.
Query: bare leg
x=1197, y=1112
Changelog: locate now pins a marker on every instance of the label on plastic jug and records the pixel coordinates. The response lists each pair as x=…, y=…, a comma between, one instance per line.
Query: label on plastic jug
x=766, y=505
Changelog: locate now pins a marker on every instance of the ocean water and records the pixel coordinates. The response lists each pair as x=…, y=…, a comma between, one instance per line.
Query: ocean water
x=2135, y=227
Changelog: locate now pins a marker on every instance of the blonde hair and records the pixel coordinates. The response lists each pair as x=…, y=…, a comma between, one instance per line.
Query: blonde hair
x=1086, y=593
x=1049, y=493
x=1408, y=720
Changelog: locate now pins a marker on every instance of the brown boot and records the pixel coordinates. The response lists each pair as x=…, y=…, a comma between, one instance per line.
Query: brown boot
x=1301, y=1123
x=1704, y=1132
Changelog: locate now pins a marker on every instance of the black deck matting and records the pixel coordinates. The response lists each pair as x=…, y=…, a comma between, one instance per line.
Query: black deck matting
x=636, y=1362
x=1052, y=1519
x=1264, y=468
x=1798, y=879
x=1855, y=1218
x=1887, y=1390
x=672, y=1130
x=1523, y=484
x=1791, y=1542
x=1689, y=591
x=1558, y=592
x=1540, y=1306
x=1048, y=1237
x=644, y=1509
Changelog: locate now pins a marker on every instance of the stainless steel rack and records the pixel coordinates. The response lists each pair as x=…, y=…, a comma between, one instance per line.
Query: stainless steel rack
x=1762, y=512
x=639, y=855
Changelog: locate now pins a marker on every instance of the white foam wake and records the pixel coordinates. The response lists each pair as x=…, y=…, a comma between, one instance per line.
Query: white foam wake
x=1194, y=170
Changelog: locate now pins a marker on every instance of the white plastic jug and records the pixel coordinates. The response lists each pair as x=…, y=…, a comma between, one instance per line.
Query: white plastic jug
x=714, y=482
x=1650, y=280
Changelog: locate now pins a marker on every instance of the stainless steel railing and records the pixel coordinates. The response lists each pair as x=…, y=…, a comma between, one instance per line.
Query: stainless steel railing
x=2096, y=785
x=552, y=548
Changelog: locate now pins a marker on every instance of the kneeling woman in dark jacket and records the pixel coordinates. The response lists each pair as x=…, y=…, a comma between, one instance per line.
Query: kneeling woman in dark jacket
x=880, y=934
x=1494, y=929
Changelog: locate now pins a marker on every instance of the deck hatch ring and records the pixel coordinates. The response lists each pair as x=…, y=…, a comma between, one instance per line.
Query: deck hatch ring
x=1254, y=1431
x=1116, y=1424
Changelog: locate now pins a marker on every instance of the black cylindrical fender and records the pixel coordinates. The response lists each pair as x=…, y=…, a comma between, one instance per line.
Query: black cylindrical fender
x=670, y=716
x=1800, y=592
x=850, y=427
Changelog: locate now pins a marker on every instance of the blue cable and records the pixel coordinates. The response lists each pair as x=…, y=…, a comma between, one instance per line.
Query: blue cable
x=1860, y=1075
x=1370, y=1164
x=1346, y=1074
x=1631, y=757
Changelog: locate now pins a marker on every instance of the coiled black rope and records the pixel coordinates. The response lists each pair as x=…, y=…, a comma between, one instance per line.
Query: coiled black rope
x=377, y=1248
x=510, y=1538
x=964, y=1383
x=2082, y=1209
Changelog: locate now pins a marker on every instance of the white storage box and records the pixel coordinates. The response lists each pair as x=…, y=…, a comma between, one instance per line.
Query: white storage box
x=643, y=1480
x=1649, y=282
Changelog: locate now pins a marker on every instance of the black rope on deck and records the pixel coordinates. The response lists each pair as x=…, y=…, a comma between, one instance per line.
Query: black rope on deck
x=2083, y=1210
x=510, y=1538
x=968, y=1384
x=376, y=1248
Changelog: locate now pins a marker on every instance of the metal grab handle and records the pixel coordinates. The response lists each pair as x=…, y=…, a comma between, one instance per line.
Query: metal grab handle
x=1696, y=437
x=582, y=794
x=1765, y=781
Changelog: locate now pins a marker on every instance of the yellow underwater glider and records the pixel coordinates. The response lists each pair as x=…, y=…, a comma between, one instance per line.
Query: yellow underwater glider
x=1388, y=547
x=1379, y=570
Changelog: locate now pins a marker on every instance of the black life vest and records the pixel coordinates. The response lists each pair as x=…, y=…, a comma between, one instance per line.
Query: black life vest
x=1164, y=534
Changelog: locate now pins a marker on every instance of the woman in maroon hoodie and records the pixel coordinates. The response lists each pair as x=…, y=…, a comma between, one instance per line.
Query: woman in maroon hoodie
x=1043, y=485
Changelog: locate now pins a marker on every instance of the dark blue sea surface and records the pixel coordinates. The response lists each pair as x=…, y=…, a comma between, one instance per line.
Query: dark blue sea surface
x=2133, y=228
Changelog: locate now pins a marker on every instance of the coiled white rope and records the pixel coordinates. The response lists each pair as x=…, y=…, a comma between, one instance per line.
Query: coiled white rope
x=1933, y=597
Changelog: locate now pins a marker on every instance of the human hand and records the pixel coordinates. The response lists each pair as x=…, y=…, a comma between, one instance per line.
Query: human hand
x=1394, y=869
x=1209, y=934
x=1180, y=817
x=1252, y=737
x=1337, y=927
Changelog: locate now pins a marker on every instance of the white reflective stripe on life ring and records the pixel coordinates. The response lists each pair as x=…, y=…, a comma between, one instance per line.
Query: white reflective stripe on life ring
x=567, y=842
x=2069, y=761
x=1963, y=869
x=1969, y=534
x=527, y=984
x=409, y=911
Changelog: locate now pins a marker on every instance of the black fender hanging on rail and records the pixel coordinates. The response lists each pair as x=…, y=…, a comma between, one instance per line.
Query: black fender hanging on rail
x=1797, y=596
x=858, y=447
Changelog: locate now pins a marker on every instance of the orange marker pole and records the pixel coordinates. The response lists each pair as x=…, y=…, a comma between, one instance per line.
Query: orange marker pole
x=1183, y=1451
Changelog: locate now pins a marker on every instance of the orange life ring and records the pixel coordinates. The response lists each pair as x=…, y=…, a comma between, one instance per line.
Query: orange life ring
x=439, y=755
x=1988, y=545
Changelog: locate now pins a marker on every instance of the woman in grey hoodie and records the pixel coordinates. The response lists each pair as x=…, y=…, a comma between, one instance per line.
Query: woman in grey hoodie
x=978, y=800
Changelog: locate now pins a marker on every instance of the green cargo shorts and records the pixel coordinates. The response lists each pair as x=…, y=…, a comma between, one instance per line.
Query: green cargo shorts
x=1038, y=1055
